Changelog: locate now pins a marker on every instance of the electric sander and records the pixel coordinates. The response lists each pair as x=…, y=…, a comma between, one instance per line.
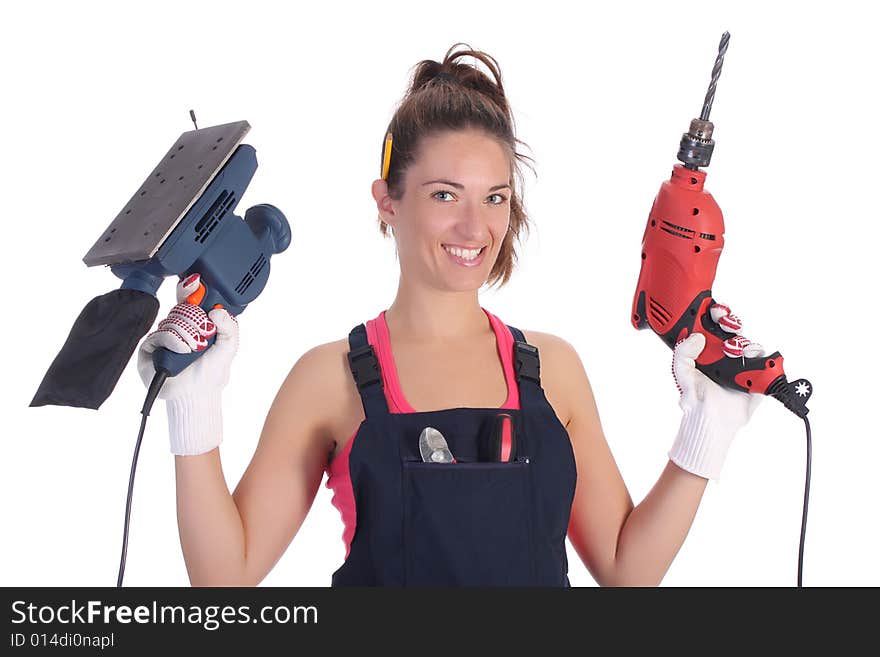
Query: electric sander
x=180, y=220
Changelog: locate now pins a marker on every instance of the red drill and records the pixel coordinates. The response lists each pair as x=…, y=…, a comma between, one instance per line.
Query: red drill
x=680, y=251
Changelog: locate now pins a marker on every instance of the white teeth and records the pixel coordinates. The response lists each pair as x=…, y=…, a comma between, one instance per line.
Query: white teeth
x=467, y=254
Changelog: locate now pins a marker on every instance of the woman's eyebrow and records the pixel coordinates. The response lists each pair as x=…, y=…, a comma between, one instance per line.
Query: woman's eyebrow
x=460, y=186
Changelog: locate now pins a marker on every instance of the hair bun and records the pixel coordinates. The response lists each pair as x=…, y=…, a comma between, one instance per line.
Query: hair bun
x=447, y=77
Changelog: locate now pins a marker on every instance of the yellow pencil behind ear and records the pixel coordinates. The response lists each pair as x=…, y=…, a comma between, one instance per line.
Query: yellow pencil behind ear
x=386, y=159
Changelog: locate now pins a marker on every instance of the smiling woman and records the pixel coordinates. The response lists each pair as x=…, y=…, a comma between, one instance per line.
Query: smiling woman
x=524, y=462
x=451, y=220
x=457, y=98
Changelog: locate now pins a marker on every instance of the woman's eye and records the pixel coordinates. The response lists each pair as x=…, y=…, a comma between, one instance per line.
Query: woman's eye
x=442, y=195
x=497, y=199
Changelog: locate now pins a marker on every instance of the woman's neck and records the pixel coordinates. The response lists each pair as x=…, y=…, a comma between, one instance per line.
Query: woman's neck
x=435, y=316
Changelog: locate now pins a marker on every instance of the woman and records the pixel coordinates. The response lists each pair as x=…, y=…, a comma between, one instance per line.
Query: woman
x=359, y=407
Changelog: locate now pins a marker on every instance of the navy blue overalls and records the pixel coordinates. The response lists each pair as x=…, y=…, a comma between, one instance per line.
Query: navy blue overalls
x=470, y=523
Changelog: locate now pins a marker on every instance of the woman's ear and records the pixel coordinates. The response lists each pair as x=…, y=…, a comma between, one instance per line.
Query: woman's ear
x=384, y=202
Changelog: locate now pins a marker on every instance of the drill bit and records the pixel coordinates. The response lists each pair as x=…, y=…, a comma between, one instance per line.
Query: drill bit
x=716, y=73
x=696, y=146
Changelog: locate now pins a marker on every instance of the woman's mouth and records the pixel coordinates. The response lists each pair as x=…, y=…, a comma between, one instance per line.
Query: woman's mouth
x=466, y=257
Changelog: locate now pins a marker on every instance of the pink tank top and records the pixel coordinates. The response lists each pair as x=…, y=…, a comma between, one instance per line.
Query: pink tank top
x=338, y=476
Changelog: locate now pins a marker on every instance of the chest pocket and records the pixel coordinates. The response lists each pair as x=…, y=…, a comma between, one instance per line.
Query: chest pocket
x=467, y=523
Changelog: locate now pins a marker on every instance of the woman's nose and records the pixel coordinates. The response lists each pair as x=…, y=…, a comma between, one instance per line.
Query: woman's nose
x=472, y=224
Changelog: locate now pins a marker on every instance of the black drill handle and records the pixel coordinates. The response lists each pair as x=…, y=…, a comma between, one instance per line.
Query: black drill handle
x=761, y=374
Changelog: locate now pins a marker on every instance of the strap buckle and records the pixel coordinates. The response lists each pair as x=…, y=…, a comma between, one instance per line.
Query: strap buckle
x=364, y=366
x=526, y=362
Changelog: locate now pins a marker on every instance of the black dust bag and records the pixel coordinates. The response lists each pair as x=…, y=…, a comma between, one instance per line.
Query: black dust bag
x=99, y=346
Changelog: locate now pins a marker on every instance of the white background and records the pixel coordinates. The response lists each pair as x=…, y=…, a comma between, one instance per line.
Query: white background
x=94, y=94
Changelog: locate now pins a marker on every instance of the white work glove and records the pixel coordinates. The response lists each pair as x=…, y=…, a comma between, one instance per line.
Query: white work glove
x=192, y=398
x=712, y=414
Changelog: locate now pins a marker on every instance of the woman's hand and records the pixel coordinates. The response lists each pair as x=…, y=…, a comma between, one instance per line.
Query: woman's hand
x=712, y=414
x=193, y=396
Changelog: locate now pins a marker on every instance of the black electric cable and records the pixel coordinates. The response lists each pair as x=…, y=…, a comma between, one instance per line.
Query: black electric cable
x=152, y=393
x=806, y=504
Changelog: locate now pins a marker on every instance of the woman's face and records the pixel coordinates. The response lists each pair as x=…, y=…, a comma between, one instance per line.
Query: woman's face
x=455, y=210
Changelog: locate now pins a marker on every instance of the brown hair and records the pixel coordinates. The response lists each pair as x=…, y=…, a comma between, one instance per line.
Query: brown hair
x=451, y=95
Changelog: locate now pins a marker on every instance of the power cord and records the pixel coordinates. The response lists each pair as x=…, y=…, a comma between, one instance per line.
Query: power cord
x=806, y=503
x=152, y=393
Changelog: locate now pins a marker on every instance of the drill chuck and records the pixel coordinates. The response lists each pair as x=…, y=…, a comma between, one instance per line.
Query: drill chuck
x=695, y=149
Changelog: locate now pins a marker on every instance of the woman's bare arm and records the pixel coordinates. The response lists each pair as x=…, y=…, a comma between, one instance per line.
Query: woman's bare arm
x=236, y=539
x=620, y=544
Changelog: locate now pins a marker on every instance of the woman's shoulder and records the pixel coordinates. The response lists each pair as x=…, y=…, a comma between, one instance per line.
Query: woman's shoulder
x=326, y=368
x=562, y=372
x=327, y=350
x=324, y=371
x=551, y=348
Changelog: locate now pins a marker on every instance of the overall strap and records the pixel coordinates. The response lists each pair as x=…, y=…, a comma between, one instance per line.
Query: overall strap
x=365, y=369
x=527, y=368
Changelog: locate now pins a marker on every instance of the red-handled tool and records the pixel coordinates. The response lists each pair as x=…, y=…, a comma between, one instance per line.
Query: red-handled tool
x=680, y=249
x=500, y=444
